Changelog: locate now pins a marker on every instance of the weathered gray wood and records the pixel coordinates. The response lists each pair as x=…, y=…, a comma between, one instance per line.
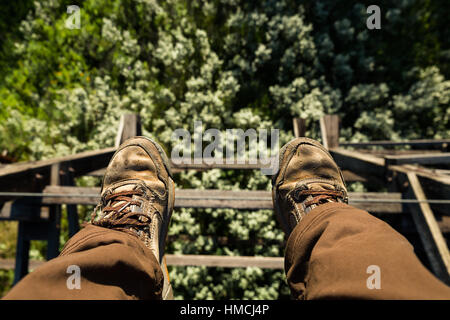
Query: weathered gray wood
x=129, y=126
x=329, y=128
x=192, y=198
x=251, y=164
x=33, y=176
x=55, y=176
x=366, y=165
x=8, y=264
x=392, y=152
x=225, y=261
x=5, y=213
x=427, y=143
x=425, y=159
x=434, y=183
x=352, y=177
x=299, y=125
x=429, y=231
x=348, y=175
x=193, y=260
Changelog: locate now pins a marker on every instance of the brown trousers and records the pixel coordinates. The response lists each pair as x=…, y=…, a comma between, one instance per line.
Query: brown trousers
x=336, y=252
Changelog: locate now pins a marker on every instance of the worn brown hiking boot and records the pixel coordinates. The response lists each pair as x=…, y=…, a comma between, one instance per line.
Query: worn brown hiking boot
x=137, y=197
x=307, y=177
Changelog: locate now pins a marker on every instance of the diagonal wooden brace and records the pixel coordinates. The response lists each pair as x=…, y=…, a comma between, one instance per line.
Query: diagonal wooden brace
x=428, y=228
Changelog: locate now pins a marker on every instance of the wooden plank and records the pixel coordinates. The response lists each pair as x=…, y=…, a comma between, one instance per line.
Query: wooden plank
x=19, y=167
x=129, y=126
x=8, y=264
x=441, y=171
x=431, y=236
x=23, y=209
x=299, y=126
x=352, y=177
x=362, y=164
x=392, y=152
x=55, y=176
x=424, y=159
x=348, y=175
x=329, y=128
x=225, y=261
x=208, y=164
x=193, y=260
x=5, y=213
x=243, y=199
x=55, y=212
x=427, y=143
x=86, y=195
x=36, y=174
x=436, y=185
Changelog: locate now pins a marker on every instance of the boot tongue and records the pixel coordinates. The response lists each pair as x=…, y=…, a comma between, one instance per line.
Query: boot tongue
x=310, y=190
x=320, y=186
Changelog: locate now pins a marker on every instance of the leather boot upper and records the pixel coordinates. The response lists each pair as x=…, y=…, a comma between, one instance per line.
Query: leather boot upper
x=138, y=193
x=307, y=177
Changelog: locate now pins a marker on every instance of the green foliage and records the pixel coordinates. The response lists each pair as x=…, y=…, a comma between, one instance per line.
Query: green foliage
x=6, y=279
x=230, y=64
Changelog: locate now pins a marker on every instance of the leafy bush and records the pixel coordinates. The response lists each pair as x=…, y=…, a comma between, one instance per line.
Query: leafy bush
x=230, y=64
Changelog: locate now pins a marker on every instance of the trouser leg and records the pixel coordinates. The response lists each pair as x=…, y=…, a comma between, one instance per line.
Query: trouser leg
x=338, y=251
x=112, y=265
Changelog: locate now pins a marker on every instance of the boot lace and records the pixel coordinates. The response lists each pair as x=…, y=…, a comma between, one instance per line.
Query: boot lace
x=318, y=197
x=118, y=214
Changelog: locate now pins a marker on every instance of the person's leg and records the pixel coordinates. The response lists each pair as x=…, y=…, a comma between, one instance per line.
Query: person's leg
x=121, y=254
x=335, y=251
x=112, y=265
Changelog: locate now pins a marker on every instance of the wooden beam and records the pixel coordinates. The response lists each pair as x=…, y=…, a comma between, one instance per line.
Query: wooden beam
x=251, y=164
x=329, y=128
x=352, y=177
x=54, y=222
x=225, y=261
x=424, y=143
x=64, y=177
x=299, y=125
x=365, y=165
x=244, y=199
x=435, y=184
x=178, y=167
x=348, y=175
x=8, y=264
x=33, y=176
x=392, y=152
x=361, y=163
x=193, y=260
x=129, y=126
x=431, y=236
x=424, y=159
